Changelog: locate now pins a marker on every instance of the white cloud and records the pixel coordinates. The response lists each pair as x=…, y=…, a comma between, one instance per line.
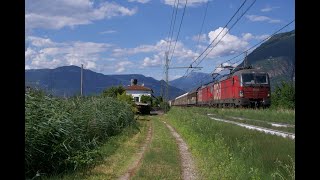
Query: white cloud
x=29, y=54
x=228, y=45
x=108, y=32
x=268, y=9
x=203, y=38
x=159, y=46
x=181, y=52
x=57, y=14
x=121, y=66
x=44, y=53
x=139, y=1
x=156, y=61
x=255, y=18
x=191, y=3
x=249, y=36
x=40, y=42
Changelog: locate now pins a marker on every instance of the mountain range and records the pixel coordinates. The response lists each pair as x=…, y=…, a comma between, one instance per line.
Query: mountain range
x=65, y=81
x=275, y=56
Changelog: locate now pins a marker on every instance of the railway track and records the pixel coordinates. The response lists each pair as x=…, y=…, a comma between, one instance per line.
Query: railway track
x=262, y=129
x=271, y=123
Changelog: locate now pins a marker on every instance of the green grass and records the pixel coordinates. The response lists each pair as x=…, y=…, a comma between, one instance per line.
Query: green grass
x=161, y=160
x=226, y=151
x=118, y=152
x=270, y=115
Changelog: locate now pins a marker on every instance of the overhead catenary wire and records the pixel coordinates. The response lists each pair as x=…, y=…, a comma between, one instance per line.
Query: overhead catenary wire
x=226, y=32
x=170, y=34
x=265, y=39
x=216, y=37
x=220, y=31
x=204, y=17
x=184, y=9
x=171, y=30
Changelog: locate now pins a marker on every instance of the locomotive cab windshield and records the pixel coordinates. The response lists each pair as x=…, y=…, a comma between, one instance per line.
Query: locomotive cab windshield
x=254, y=78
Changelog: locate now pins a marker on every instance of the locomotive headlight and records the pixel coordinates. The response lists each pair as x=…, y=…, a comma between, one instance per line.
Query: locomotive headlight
x=241, y=93
x=268, y=94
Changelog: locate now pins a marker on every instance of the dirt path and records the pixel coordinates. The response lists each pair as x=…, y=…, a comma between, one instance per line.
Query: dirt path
x=133, y=167
x=187, y=164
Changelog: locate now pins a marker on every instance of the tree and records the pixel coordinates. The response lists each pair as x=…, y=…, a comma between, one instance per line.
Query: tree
x=146, y=99
x=157, y=101
x=284, y=96
x=113, y=91
x=129, y=100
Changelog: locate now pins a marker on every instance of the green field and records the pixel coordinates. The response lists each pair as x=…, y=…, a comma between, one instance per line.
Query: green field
x=226, y=151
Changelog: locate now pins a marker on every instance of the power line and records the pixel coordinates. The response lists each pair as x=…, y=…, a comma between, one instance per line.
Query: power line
x=175, y=8
x=184, y=9
x=220, y=32
x=204, y=17
x=267, y=38
x=226, y=32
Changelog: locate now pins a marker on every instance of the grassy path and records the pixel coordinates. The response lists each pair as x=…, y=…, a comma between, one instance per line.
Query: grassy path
x=161, y=161
x=133, y=167
x=187, y=163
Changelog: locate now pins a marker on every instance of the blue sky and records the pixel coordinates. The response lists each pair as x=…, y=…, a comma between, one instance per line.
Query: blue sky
x=131, y=36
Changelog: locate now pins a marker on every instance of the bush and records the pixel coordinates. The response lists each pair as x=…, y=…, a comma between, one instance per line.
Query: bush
x=113, y=91
x=146, y=99
x=165, y=106
x=62, y=135
x=283, y=96
x=129, y=100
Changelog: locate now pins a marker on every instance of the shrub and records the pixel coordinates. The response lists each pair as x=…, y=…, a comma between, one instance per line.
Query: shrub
x=283, y=96
x=113, y=91
x=146, y=99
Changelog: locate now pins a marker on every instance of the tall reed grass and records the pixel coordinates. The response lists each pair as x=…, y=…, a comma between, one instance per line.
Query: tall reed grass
x=64, y=134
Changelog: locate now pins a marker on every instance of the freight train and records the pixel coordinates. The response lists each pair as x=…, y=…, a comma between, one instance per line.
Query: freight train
x=243, y=87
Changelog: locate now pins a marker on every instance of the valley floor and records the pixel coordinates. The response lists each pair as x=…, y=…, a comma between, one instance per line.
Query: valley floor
x=187, y=144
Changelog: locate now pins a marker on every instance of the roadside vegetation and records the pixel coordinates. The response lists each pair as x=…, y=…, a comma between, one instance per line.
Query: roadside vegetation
x=118, y=154
x=226, y=151
x=283, y=96
x=65, y=134
x=161, y=160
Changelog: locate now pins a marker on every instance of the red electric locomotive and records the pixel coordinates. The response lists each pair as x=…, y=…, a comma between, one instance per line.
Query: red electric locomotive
x=243, y=87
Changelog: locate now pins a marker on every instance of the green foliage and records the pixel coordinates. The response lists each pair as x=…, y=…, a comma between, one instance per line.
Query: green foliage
x=146, y=99
x=113, y=91
x=62, y=135
x=129, y=100
x=165, y=106
x=283, y=96
x=157, y=101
